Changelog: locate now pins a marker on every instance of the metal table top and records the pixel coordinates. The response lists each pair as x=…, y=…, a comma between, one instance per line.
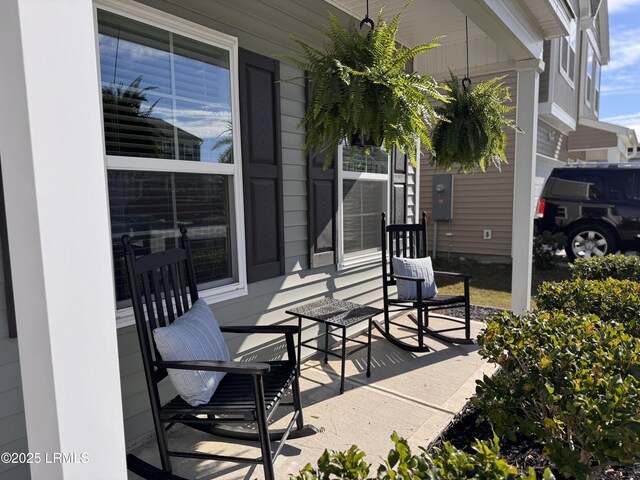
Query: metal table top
x=335, y=312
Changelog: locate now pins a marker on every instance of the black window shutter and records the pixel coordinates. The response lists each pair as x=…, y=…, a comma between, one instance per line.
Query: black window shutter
x=6, y=264
x=399, y=162
x=322, y=195
x=261, y=165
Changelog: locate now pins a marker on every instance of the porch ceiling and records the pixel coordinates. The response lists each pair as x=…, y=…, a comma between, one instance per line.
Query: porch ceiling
x=511, y=21
x=423, y=19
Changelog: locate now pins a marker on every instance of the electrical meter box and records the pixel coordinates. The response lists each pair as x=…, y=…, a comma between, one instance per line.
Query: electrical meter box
x=442, y=197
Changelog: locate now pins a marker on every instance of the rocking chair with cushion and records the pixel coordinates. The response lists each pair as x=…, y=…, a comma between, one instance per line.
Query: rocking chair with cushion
x=406, y=265
x=180, y=338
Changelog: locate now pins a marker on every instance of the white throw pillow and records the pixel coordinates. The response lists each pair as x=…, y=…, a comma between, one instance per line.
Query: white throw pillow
x=414, y=268
x=193, y=336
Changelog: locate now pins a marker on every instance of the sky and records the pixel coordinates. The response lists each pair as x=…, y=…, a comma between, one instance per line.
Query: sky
x=620, y=87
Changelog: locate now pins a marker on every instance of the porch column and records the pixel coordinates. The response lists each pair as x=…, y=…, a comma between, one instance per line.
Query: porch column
x=51, y=153
x=524, y=182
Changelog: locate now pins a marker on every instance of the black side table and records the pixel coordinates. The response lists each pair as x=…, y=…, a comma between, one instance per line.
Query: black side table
x=335, y=314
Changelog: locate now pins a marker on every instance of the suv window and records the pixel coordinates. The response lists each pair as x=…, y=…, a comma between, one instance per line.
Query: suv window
x=576, y=184
x=632, y=187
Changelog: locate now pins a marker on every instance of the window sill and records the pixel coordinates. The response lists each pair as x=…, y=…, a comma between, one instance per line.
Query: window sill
x=125, y=317
x=358, y=261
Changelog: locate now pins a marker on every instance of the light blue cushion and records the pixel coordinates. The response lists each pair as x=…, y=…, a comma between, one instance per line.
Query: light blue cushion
x=193, y=336
x=414, y=268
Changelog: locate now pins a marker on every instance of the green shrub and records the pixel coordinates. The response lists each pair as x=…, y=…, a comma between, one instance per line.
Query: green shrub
x=574, y=382
x=484, y=463
x=617, y=300
x=447, y=463
x=600, y=268
x=545, y=247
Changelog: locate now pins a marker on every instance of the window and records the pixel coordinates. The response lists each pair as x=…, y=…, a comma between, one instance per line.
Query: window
x=592, y=83
x=589, y=75
x=568, y=54
x=364, y=182
x=170, y=130
x=580, y=185
x=632, y=186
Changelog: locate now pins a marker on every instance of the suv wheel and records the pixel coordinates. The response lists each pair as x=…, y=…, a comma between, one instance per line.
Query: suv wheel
x=589, y=241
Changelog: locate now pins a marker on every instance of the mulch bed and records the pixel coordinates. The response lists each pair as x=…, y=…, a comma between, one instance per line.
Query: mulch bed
x=478, y=312
x=524, y=453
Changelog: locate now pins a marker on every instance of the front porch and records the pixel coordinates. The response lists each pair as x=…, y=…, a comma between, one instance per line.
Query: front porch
x=415, y=395
x=56, y=166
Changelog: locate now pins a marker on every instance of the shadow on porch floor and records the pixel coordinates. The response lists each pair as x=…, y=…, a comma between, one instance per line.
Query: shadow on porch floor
x=413, y=394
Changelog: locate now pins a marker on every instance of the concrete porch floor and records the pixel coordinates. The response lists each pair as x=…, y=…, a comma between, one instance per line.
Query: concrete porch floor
x=415, y=395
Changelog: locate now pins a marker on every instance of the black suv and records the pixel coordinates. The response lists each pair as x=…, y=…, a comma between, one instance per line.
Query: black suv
x=596, y=206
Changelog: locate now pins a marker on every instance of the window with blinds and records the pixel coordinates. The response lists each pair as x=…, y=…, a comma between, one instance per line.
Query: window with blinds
x=169, y=134
x=364, y=197
x=164, y=95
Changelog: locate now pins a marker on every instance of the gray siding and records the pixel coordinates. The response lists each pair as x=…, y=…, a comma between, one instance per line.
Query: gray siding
x=543, y=95
x=554, y=87
x=263, y=29
x=586, y=137
x=480, y=201
x=295, y=170
x=259, y=27
x=412, y=193
x=13, y=431
x=565, y=95
x=552, y=143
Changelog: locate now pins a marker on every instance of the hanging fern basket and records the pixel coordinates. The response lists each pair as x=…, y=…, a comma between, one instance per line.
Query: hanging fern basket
x=471, y=132
x=359, y=86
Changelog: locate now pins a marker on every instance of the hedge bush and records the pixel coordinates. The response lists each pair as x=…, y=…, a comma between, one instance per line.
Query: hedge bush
x=611, y=300
x=619, y=267
x=572, y=381
x=446, y=463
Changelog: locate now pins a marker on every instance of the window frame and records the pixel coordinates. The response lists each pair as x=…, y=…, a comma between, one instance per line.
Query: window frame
x=588, y=79
x=597, y=76
x=567, y=48
x=165, y=21
x=357, y=259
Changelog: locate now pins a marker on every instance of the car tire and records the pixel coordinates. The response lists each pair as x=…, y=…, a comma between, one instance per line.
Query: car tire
x=588, y=240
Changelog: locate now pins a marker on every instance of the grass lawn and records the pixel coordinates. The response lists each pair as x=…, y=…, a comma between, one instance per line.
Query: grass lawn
x=491, y=282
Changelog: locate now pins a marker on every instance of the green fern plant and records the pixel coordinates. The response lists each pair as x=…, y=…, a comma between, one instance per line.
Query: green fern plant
x=471, y=132
x=359, y=85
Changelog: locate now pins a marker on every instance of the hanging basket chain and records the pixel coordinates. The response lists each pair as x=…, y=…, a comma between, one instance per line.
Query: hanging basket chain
x=366, y=20
x=466, y=81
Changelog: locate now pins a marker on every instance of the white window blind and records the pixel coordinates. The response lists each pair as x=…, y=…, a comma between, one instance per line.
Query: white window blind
x=169, y=109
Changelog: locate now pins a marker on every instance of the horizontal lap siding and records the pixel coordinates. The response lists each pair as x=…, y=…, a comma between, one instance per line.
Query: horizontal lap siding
x=543, y=94
x=552, y=143
x=13, y=431
x=263, y=29
x=480, y=201
x=412, y=192
x=296, y=235
x=565, y=95
x=587, y=137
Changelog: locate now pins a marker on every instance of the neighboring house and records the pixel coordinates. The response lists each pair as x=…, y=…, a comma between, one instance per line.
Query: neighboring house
x=270, y=230
x=597, y=141
x=568, y=131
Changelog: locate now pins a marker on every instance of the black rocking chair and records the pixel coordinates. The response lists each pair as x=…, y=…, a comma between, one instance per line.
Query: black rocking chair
x=410, y=241
x=163, y=286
